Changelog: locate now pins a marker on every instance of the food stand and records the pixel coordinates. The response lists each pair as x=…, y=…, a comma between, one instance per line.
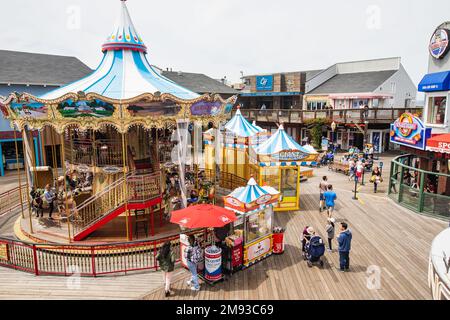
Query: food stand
x=279, y=161
x=252, y=236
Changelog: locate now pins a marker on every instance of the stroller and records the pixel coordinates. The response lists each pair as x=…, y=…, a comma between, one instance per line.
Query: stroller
x=314, y=251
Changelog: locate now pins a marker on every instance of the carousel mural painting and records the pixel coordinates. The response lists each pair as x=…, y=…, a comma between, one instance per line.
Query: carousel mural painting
x=107, y=138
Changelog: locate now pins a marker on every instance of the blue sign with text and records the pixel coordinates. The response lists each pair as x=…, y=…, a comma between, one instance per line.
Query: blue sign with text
x=264, y=83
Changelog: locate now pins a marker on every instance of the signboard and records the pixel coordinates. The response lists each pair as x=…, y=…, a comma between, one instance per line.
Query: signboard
x=257, y=250
x=439, y=43
x=205, y=108
x=264, y=83
x=289, y=155
x=410, y=131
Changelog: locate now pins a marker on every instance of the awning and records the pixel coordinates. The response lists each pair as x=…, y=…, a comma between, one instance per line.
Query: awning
x=439, y=81
x=439, y=143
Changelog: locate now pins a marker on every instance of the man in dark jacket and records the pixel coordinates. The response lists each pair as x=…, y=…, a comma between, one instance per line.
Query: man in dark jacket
x=344, y=241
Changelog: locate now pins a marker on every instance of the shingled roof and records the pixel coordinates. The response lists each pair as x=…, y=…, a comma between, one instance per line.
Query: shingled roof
x=354, y=82
x=198, y=82
x=40, y=69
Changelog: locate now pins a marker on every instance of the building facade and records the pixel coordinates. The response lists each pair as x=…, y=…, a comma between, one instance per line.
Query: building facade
x=361, y=87
x=420, y=179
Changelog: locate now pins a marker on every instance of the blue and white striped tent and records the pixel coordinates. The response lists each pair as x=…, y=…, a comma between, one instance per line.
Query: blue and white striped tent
x=240, y=127
x=278, y=142
x=124, y=72
x=252, y=192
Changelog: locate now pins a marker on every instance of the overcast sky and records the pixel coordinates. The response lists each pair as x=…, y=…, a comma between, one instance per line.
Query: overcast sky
x=223, y=37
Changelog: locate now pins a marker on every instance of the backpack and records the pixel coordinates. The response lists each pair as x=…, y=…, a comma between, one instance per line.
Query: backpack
x=196, y=254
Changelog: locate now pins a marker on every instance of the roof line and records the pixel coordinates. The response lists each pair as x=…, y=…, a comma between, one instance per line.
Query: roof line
x=32, y=84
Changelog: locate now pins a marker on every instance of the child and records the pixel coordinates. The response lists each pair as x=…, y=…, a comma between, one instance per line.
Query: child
x=329, y=228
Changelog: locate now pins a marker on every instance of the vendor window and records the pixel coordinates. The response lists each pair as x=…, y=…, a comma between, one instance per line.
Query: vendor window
x=289, y=181
x=258, y=225
x=436, y=110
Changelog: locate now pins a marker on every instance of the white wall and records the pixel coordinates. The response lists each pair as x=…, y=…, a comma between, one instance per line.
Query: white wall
x=405, y=88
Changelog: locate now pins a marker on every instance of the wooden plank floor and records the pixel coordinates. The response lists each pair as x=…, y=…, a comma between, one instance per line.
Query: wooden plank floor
x=385, y=235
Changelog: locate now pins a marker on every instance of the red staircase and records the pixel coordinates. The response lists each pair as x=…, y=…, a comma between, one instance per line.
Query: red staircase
x=143, y=191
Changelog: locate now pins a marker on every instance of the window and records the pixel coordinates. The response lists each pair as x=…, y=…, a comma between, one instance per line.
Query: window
x=358, y=103
x=393, y=87
x=375, y=103
x=436, y=110
x=258, y=225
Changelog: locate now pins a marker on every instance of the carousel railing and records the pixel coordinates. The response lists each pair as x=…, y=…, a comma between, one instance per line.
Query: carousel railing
x=100, y=153
x=10, y=200
x=140, y=188
x=88, y=260
x=225, y=180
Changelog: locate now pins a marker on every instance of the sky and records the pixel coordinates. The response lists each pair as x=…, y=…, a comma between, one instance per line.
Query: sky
x=224, y=37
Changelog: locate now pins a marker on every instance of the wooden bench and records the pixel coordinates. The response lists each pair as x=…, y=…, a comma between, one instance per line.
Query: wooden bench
x=338, y=166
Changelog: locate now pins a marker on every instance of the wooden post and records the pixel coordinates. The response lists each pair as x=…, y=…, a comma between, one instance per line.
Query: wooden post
x=63, y=165
x=18, y=171
x=27, y=184
x=125, y=187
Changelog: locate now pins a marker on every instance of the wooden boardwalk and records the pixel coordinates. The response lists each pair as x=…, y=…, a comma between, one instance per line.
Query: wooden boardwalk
x=385, y=236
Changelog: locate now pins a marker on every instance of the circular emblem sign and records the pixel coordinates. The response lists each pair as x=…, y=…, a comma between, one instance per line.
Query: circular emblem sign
x=439, y=43
x=406, y=125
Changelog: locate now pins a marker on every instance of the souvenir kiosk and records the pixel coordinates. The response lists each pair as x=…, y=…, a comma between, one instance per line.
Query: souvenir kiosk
x=278, y=161
x=252, y=236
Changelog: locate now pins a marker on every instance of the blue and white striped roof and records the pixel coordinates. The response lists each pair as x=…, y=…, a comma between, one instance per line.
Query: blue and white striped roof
x=278, y=142
x=124, y=72
x=252, y=192
x=241, y=127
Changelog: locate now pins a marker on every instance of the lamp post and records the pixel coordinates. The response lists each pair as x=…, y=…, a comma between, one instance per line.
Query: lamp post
x=356, y=188
x=333, y=129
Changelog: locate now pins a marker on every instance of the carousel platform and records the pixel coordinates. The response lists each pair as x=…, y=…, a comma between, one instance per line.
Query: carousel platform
x=56, y=231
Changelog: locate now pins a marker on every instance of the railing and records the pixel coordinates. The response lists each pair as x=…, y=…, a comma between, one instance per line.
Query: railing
x=373, y=115
x=414, y=195
x=99, y=153
x=88, y=260
x=10, y=200
x=140, y=188
x=226, y=180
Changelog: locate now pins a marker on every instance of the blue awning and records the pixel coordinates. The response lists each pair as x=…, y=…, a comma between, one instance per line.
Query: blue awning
x=271, y=94
x=439, y=81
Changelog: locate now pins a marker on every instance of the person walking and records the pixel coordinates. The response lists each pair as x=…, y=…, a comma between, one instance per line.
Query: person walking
x=323, y=187
x=344, y=240
x=50, y=197
x=330, y=198
x=166, y=259
x=376, y=178
x=329, y=228
x=193, y=257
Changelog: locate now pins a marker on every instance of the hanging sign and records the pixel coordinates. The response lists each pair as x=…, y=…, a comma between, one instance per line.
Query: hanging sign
x=111, y=170
x=409, y=130
x=439, y=43
x=264, y=83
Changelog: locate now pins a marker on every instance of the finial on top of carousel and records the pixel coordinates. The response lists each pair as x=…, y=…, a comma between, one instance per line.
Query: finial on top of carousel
x=124, y=35
x=252, y=181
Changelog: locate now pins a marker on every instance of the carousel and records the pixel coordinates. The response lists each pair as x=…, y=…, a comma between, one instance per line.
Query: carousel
x=116, y=147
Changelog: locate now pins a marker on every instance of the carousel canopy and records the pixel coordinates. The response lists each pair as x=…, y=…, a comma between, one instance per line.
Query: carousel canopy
x=252, y=192
x=241, y=127
x=124, y=72
x=278, y=142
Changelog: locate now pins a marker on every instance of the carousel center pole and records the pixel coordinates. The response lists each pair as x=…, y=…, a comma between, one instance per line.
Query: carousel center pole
x=125, y=186
x=63, y=165
x=18, y=172
x=27, y=183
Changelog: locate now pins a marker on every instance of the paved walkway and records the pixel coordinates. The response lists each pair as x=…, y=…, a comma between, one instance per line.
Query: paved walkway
x=386, y=238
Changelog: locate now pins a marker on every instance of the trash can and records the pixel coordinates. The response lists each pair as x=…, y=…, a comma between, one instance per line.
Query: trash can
x=213, y=263
x=278, y=243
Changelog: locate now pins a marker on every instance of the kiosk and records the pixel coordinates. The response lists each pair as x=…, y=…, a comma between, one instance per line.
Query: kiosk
x=254, y=206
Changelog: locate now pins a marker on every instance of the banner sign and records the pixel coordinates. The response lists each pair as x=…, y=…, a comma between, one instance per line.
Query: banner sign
x=264, y=83
x=289, y=155
x=257, y=250
x=410, y=131
x=203, y=108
